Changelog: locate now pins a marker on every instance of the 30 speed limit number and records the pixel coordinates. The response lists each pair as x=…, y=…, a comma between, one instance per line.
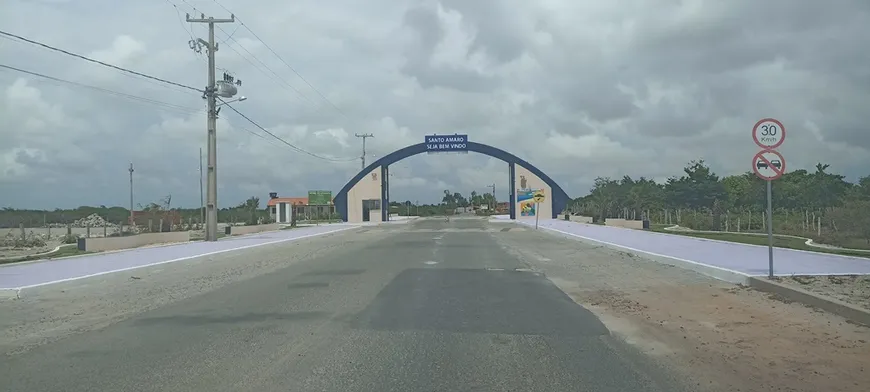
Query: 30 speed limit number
x=768, y=164
x=768, y=133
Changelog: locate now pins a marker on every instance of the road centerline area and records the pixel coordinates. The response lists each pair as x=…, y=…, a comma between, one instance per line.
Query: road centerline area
x=500, y=310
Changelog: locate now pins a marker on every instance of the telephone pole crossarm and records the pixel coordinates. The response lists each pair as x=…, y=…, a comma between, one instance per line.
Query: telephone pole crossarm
x=364, y=136
x=203, y=19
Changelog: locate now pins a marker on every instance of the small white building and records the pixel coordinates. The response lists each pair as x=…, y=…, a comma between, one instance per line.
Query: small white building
x=281, y=208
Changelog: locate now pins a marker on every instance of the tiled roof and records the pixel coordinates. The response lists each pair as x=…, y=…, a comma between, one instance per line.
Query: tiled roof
x=301, y=201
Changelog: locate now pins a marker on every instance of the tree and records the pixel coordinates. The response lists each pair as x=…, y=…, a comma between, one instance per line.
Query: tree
x=807, y=203
x=251, y=205
x=459, y=200
x=449, y=199
x=698, y=188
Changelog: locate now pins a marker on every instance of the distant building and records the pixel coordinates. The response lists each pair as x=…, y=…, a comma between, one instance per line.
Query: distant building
x=281, y=209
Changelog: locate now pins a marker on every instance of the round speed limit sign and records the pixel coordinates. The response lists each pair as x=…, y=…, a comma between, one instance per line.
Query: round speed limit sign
x=768, y=133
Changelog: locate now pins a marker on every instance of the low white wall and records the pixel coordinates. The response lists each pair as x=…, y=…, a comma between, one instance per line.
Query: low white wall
x=580, y=219
x=99, y=244
x=628, y=224
x=239, y=230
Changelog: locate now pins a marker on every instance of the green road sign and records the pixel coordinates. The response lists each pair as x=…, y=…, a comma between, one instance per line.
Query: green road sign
x=319, y=198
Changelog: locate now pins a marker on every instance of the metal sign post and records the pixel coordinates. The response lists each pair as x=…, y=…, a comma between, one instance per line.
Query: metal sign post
x=769, y=165
x=769, y=229
x=538, y=197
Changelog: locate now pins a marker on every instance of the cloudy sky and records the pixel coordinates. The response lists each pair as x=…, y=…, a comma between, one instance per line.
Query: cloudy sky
x=580, y=88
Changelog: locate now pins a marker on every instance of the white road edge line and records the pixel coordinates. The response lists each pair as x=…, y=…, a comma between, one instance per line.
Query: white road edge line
x=726, y=269
x=670, y=233
x=18, y=289
x=647, y=252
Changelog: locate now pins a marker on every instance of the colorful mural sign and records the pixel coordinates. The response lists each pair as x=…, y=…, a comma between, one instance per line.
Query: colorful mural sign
x=526, y=200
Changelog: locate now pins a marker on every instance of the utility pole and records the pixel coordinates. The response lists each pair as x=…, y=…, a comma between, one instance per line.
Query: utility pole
x=211, y=96
x=364, y=136
x=201, y=200
x=495, y=201
x=132, y=220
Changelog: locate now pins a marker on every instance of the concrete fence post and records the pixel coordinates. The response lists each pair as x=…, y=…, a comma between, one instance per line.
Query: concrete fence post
x=23, y=233
x=87, y=230
x=161, y=225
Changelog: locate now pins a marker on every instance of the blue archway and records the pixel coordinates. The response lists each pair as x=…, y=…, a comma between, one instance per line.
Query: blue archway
x=559, y=197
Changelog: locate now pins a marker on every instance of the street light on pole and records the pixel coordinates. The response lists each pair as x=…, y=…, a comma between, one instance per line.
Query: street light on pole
x=239, y=99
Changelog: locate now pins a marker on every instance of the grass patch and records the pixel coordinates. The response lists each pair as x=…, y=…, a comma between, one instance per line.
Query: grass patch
x=64, y=251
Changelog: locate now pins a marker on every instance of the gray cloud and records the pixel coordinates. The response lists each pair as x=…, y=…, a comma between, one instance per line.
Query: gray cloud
x=581, y=89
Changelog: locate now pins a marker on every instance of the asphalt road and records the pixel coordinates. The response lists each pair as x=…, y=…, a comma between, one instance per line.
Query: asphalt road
x=425, y=306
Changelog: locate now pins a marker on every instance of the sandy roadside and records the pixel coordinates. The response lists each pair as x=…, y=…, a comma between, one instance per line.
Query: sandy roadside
x=722, y=337
x=851, y=289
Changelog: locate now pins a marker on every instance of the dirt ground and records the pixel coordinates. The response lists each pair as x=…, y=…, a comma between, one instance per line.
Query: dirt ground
x=12, y=253
x=52, y=237
x=721, y=336
x=851, y=289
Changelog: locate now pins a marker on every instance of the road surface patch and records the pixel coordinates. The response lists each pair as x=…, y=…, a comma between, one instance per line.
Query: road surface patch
x=308, y=285
x=337, y=272
x=203, y=320
x=477, y=301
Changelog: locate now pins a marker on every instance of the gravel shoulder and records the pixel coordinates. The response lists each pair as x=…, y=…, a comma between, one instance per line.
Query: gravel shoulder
x=851, y=289
x=49, y=313
x=724, y=337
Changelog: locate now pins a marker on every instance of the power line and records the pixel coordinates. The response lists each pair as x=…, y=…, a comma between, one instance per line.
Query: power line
x=275, y=77
x=286, y=142
x=107, y=91
x=30, y=41
x=264, y=66
x=165, y=105
x=284, y=61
